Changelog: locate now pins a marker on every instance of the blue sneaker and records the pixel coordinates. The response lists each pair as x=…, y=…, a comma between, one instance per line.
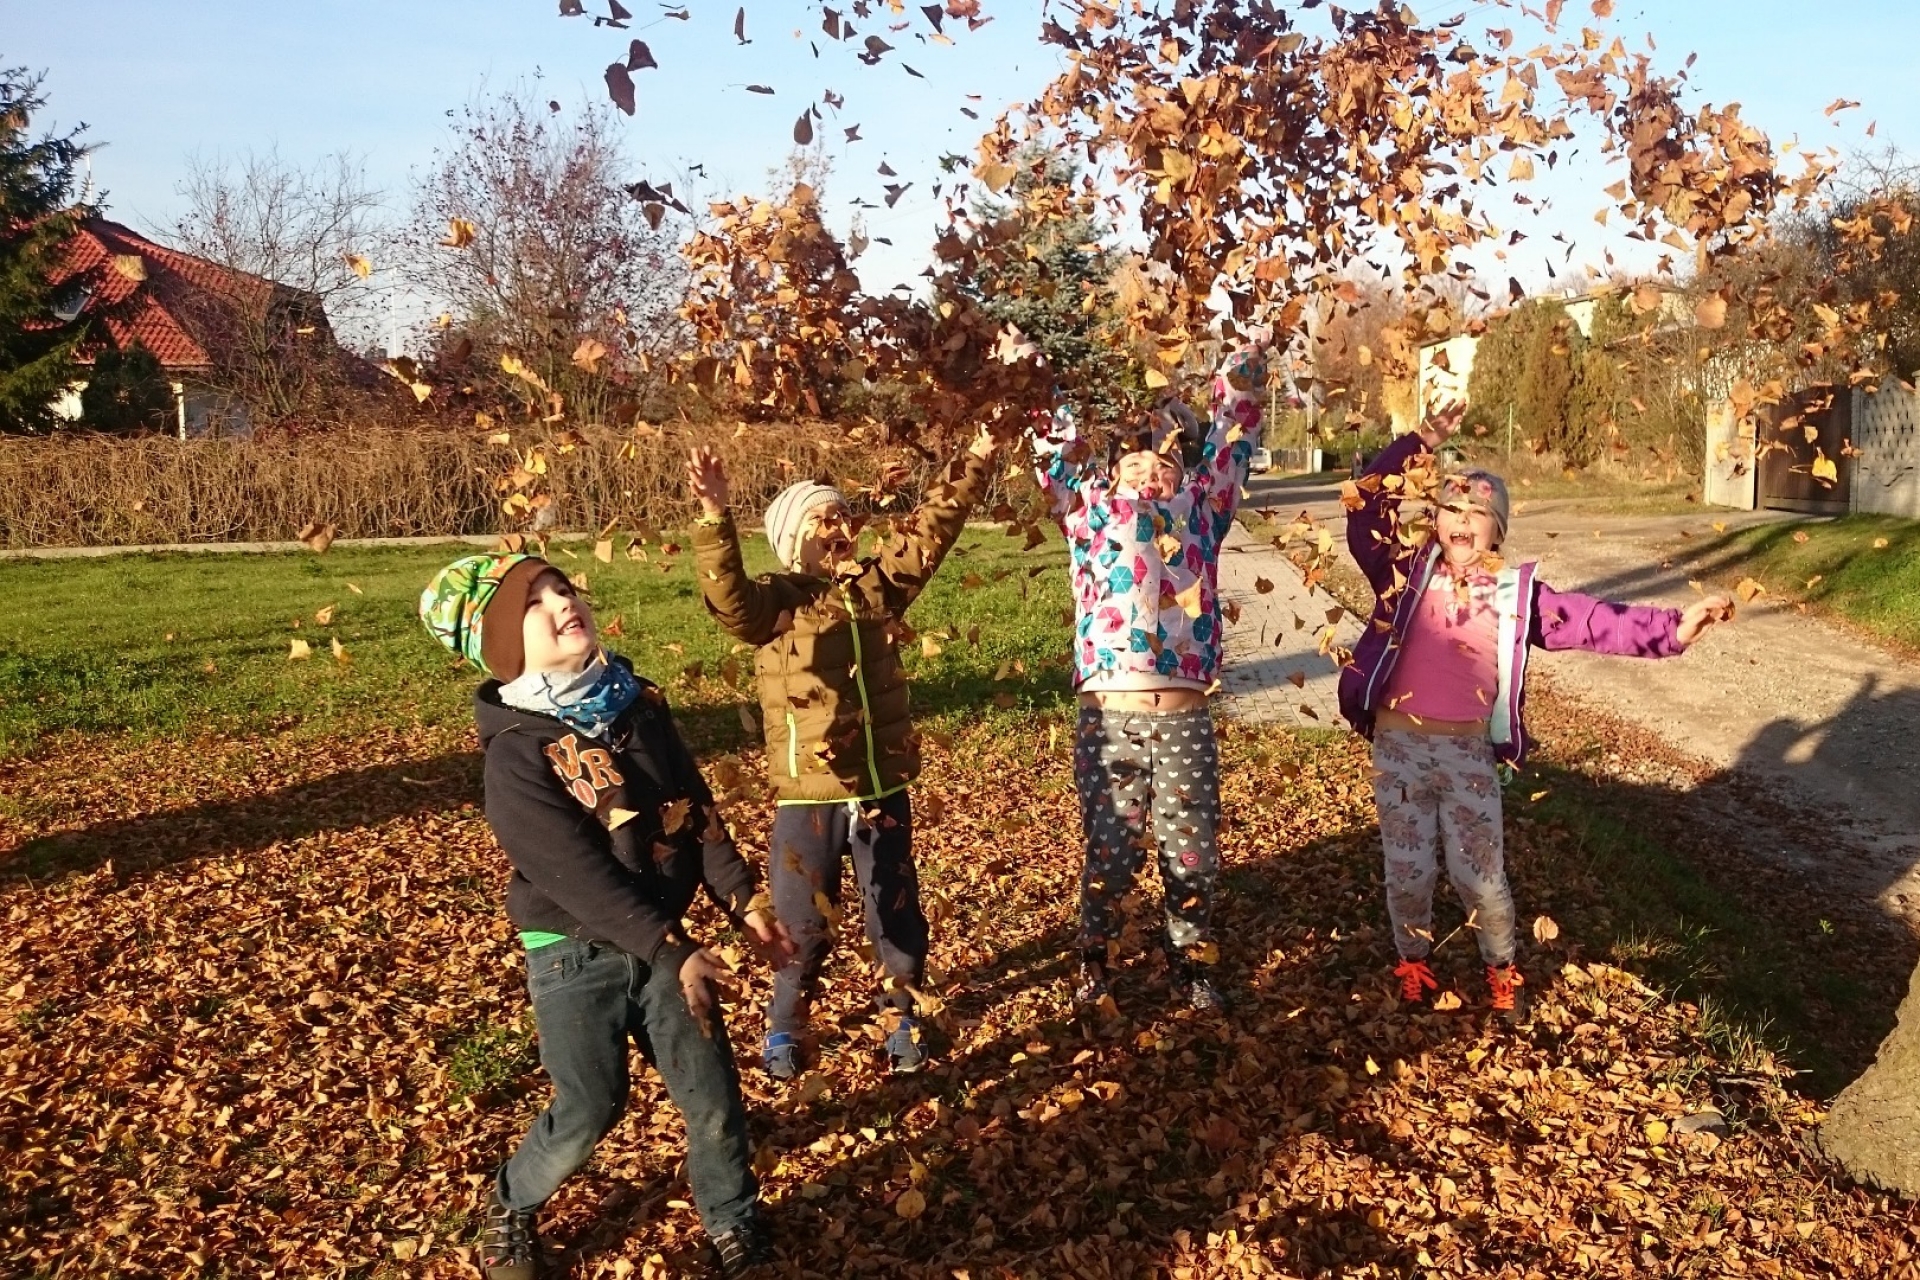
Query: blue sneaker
x=904, y=1052
x=782, y=1056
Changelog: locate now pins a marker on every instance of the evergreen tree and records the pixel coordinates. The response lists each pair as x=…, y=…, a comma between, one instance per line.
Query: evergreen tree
x=128, y=391
x=1060, y=294
x=40, y=326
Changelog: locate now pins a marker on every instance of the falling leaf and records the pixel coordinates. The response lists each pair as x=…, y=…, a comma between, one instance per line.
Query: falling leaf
x=360, y=266
x=1262, y=586
x=316, y=535
x=1545, y=930
x=620, y=86
x=460, y=233
x=588, y=354
x=300, y=649
x=1446, y=1001
x=323, y=616
x=1710, y=312
x=1749, y=590
x=603, y=551
x=673, y=815
x=339, y=650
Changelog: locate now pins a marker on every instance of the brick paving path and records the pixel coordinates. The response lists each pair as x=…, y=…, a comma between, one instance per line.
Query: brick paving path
x=1277, y=639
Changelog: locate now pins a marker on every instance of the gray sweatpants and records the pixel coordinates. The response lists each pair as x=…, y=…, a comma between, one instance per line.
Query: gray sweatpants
x=1136, y=769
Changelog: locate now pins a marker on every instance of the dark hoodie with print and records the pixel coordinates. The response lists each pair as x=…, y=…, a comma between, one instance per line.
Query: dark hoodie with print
x=610, y=837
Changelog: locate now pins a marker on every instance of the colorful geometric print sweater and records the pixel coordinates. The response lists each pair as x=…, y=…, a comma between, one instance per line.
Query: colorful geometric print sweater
x=1146, y=571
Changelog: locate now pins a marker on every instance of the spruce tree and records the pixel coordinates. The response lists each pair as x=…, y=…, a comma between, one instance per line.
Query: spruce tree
x=1059, y=292
x=128, y=391
x=40, y=327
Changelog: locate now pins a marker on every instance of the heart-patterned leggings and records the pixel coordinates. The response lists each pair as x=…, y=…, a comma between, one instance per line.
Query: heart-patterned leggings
x=1431, y=790
x=1137, y=770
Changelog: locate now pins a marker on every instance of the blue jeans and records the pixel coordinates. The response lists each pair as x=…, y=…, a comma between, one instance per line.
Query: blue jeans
x=588, y=998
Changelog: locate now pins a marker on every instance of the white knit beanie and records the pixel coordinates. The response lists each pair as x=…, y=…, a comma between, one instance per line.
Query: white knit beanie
x=788, y=512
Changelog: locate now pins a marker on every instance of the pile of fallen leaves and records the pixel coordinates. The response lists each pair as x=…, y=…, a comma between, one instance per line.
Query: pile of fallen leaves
x=261, y=1014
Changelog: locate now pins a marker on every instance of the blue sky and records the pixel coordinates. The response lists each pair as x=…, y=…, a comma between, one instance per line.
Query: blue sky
x=160, y=79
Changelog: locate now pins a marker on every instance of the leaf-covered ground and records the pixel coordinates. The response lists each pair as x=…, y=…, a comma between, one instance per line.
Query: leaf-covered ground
x=260, y=1013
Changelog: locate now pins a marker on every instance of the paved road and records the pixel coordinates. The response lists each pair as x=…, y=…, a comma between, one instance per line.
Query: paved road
x=1821, y=718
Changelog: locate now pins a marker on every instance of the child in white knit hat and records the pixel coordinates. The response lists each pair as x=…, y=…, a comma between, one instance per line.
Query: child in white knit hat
x=840, y=742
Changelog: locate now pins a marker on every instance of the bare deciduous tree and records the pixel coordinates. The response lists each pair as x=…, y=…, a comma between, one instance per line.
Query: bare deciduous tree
x=299, y=246
x=530, y=231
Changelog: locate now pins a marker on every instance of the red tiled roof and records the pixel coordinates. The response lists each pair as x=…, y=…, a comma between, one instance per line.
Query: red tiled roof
x=143, y=290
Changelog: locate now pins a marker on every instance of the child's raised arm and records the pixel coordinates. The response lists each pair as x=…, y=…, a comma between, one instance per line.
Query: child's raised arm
x=908, y=558
x=1372, y=525
x=748, y=609
x=1061, y=461
x=1234, y=432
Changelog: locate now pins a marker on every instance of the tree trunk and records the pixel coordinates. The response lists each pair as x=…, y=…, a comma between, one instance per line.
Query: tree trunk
x=1873, y=1128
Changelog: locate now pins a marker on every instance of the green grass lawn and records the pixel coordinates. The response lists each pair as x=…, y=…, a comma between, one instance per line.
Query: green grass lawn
x=1864, y=570
x=177, y=644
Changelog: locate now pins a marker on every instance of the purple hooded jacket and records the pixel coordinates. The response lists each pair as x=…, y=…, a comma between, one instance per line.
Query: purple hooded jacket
x=1532, y=613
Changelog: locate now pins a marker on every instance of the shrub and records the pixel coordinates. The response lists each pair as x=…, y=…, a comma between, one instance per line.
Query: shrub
x=86, y=490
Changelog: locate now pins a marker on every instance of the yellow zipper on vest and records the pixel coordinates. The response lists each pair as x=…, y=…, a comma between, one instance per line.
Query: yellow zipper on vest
x=860, y=683
x=793, y=746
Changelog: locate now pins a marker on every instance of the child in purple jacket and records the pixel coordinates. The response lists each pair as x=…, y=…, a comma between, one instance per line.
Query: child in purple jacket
x=1438, y=682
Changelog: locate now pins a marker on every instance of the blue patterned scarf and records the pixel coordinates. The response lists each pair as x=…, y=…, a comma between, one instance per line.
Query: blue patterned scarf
x=590, y=700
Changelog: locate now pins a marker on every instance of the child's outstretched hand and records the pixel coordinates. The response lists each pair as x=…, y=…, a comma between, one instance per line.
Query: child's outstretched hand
x=770, y=939
x=1441, y=422
x=1704, y=613
x=700, y=976
x=708, y=480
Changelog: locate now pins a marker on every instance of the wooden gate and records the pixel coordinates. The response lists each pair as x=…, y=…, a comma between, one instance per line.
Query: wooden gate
x=1792, y=463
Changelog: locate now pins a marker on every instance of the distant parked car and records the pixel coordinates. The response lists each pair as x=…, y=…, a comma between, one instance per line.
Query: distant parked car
x=1261, y=462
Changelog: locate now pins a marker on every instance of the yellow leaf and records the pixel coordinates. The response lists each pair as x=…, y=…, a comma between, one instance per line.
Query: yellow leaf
x=618, y=817
x=1656, y=1131
x=1522, y=169
x=603, y=551
x=360, y=266
x=673, y=815
x=1446, y=1001
x=1749, y=590
x=1879, y=544
x=459, y=233
x=323, y=616
x=1156, y=379
x=1189, y=599
x=911, y=1204
x=339, y=650
x=300, y=649
x=1824, y=468
x=929, y=647
x=1545, y=930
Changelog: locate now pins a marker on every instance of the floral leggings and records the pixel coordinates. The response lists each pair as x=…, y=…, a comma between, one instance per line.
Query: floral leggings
x=1431, y=789
x=1135, y=769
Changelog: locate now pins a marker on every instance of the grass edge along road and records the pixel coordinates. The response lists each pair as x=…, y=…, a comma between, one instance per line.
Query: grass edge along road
x=298, y=1039
x=1861, y=570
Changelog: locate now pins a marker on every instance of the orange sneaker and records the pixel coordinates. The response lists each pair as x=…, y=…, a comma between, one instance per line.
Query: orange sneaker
x=1504, y=985
x=1416, y=979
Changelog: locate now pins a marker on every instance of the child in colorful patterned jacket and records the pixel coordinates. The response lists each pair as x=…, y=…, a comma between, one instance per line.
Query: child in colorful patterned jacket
x=1144, y=533
x=1438, y=682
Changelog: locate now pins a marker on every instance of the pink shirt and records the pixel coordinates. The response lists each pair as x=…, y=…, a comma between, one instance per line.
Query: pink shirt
x=1448, y=667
